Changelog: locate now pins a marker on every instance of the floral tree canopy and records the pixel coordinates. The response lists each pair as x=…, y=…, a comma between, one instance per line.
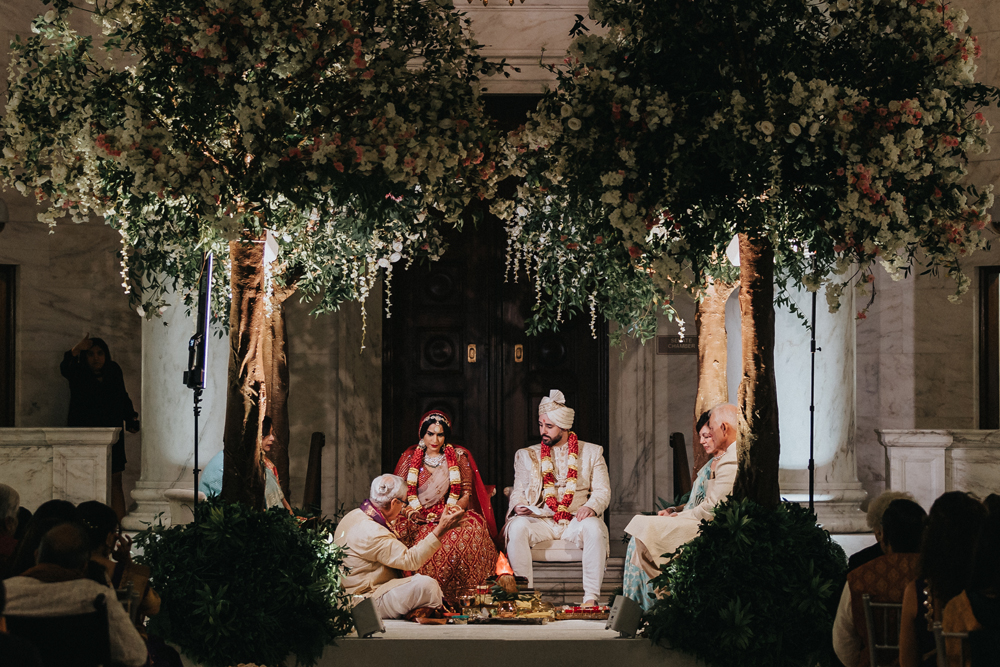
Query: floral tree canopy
x=351, y=129
x=833, y=134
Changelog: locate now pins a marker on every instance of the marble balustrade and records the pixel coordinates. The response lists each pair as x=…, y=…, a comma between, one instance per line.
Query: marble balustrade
x=928, y=462
x=71, y=464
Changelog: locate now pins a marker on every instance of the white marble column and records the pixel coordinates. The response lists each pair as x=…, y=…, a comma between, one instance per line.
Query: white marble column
x=838, y=493
x=167, y=413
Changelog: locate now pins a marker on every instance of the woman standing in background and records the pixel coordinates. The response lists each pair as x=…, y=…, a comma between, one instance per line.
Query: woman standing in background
x=97, y=398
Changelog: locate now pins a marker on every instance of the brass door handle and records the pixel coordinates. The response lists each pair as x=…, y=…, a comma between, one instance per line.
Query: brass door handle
x=471, y=353
x=518, y=353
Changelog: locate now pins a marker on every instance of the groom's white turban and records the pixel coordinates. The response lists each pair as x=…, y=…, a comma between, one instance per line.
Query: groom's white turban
x=554, y=405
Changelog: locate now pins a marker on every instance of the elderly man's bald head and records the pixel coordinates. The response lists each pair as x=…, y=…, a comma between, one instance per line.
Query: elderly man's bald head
x=65, y=545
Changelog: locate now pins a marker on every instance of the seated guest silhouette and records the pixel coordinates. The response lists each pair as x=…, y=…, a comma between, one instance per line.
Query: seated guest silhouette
x=10, y=503
x=375, y=556
x=15, y=650
x=57, y=586
x=883, y=579
x=976, y=610
x=946, y=552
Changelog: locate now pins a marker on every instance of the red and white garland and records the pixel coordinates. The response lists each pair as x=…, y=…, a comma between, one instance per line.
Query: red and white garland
x=454, y=476
x=560, y=508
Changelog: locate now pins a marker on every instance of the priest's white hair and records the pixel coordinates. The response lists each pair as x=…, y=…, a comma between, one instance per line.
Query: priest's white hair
x=724, y=413
x=385, y=488
x=554, y=406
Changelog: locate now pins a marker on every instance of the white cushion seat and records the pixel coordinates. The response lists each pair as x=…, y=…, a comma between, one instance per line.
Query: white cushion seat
x=557, y=551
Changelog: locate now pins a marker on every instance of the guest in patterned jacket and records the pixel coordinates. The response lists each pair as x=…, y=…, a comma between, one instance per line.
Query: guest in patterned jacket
x=884, y=579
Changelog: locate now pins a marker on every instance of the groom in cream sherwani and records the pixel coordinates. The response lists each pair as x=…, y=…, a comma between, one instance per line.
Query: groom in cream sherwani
x=561, y=489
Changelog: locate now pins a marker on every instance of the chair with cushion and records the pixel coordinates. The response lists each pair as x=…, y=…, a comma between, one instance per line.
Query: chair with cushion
x=80, y=640
x=882, y=621
x=554, y=551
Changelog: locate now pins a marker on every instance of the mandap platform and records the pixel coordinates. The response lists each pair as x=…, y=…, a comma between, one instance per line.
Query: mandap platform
x=556, y=643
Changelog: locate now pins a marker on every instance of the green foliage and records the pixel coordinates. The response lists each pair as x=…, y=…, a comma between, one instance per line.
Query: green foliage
x=839, y=133
x=756, y=587
x=244, y=586
x=351, y=129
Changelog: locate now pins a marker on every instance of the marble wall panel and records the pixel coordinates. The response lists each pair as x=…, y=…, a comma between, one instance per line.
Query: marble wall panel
x=976, y=471
x=633, y=445
x=527, y=36
x=676, y=391
x=67, y=286
x=982, y=19
x=71, y=464
x=29, y=470
x=335, y=387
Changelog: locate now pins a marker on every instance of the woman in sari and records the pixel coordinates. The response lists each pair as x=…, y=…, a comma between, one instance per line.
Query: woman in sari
x=439, y=474
x=636, y=583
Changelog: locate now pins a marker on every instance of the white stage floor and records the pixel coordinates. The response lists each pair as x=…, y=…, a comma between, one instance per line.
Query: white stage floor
x=575, y=630
x=559, y=643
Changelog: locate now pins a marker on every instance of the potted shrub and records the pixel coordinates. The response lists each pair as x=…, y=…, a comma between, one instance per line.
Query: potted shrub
x=758, y=586
x=243, y=586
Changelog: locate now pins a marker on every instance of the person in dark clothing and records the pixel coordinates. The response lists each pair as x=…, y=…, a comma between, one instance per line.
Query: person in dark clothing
x=15, y=650
x=97, y=397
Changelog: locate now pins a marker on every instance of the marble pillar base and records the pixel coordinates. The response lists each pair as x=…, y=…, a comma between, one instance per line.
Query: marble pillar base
x=71, y=464
x=153, y=507
x=837, y=505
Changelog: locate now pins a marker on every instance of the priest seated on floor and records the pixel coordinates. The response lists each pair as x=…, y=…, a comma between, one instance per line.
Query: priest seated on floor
x=664, y=533
x=374, y=555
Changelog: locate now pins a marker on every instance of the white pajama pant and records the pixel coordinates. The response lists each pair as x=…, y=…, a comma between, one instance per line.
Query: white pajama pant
x=419, y=591
x=524, y=532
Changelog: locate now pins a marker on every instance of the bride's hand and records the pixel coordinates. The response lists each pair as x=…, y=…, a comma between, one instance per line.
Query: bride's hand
x=431, y=518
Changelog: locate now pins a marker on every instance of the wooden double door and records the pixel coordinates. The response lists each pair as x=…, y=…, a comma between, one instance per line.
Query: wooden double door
x=455, y=341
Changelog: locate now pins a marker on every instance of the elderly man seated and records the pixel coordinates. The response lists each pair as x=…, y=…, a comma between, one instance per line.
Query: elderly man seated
x=655, y=536
x=374, y=555
x=57, y=586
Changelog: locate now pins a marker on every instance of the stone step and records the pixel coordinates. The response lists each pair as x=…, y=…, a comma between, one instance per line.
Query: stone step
x=562, y=583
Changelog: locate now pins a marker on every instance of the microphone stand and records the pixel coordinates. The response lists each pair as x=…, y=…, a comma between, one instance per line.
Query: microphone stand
x=812, y=400
x=194, y=377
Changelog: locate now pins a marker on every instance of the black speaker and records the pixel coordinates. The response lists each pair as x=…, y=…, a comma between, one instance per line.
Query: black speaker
x=624, y=617
x=366, y=619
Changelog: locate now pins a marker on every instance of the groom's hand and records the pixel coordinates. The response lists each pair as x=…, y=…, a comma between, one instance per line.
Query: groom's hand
x=584, y=513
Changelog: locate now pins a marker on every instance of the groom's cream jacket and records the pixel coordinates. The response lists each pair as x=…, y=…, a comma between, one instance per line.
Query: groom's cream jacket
x=593, y=487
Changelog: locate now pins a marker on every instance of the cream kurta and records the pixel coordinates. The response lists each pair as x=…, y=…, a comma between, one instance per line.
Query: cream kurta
x=375, y=556
x=665, y=534
x=593, y=486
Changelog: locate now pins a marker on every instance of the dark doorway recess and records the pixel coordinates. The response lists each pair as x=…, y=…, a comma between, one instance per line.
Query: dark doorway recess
x=989, y=347
x=439, y=311
x=7, y=273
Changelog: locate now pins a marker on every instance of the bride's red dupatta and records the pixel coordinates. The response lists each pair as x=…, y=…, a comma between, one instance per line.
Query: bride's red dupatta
x=481, y=499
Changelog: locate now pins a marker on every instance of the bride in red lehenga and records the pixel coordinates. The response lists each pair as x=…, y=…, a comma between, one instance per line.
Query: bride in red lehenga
x=439, y=474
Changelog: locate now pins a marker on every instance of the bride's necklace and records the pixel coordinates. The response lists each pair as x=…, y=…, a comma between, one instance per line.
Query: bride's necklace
x=434, y=461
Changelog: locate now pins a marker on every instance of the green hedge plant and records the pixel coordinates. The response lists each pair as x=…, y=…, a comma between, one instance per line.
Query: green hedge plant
x=757, y=586
x=242, y=586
